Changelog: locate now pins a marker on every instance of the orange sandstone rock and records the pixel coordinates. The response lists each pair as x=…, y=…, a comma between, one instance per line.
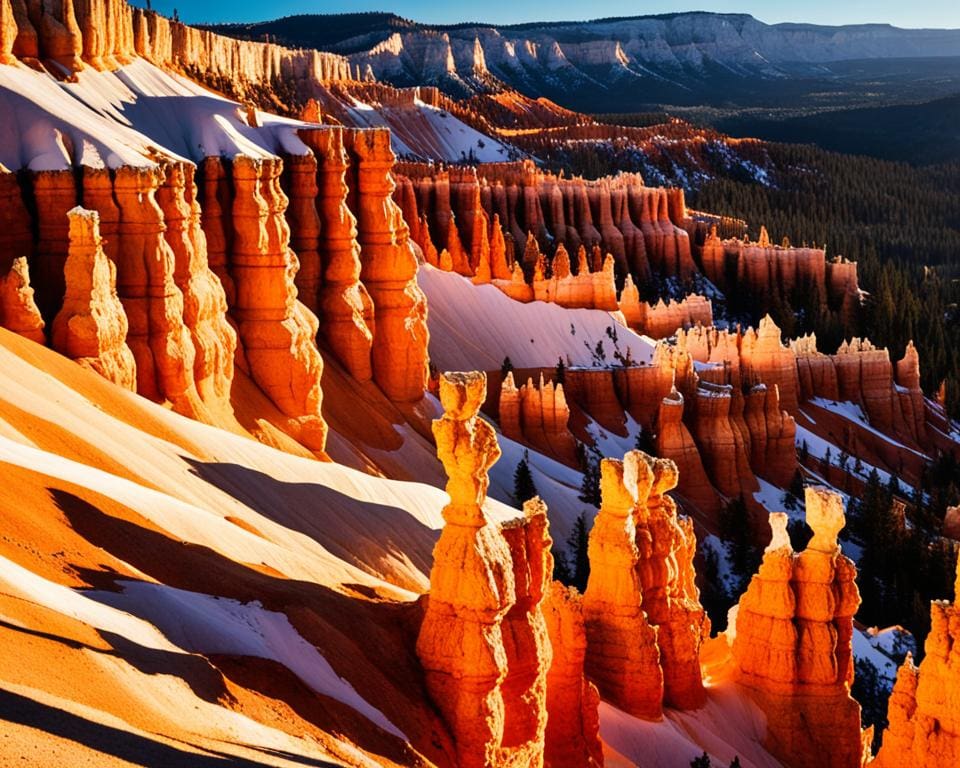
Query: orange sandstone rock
x=764, y=358
x=623, y=658
x=389, y=269
x=526, y=639
x=153, y=303
x=277, y=332
x=675, y=442
x=18, y=311
x=792, y=642
x=204, y=301
x=721, y=439
x=346, y=310
x=924, y=712
x=91, y=328
x=573, y=722
x=670, y=599
x=472, y=613
x=538, y=416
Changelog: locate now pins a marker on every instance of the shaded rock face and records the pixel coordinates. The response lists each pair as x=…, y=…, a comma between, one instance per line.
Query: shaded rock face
x=538, y=416
x=573, y=724
x=18, y=310
x=760, y=268
x=792, y=643
x=636, y=225
x=483, y=643
x=623, y=657
x=671, y=601
x=278, y=333
x=91, y=327
x=923, y=713
x=675, y=442
x=388, y=269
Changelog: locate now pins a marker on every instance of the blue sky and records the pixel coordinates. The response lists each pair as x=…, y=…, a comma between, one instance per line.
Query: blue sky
x=927, y=13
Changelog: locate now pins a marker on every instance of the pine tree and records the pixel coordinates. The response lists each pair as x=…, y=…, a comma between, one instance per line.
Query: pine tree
x=577, y=547
x=744, y=554
x=505, y=367
x=701, y=762
x=590, y=488
x=559, y=375
x=524, y=488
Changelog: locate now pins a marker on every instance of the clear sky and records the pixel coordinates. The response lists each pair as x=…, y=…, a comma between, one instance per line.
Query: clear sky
x=925, y=13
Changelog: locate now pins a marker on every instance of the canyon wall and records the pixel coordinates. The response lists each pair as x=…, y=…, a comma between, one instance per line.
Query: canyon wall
x=105, y=34
x=537, y=415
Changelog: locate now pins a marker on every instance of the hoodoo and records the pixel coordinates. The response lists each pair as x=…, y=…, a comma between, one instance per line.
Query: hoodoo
x=91, y=328
x=792, y=632
x=389, y=269
x=923, y=712
x=622, y=654
x=278, y=333
x=18, y=310
x=483, y=642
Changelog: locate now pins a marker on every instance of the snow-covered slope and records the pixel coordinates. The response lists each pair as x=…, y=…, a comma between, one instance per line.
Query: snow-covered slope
x=476, y=326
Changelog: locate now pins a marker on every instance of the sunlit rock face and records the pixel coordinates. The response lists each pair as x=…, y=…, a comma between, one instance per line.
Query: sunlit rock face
x=924, y=712
x=483, y=642
x=792, y=641
x=388, y=269
x=91, y=327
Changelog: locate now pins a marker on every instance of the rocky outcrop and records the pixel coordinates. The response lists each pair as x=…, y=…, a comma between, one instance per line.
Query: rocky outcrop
x=640, y=388
x=662, y=319
x=537, y=416
x=623, y=658
x=722, y=438
x=483, y=643
x=91, y=328
x=764, y=358
x=154, y=305
x=204, y=302
x=526, y=639
x=345, y=308
x=666, y=545
x=573, y=722
x=772, y=432
x=389, y=269
x=675, y=442
x=618, y=214
x=277, y=332
x=18, y=310
x=791, y=642
x=923, y=711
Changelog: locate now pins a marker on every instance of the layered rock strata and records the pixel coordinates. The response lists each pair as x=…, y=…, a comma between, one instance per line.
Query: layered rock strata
x=537, y=416
x=573, y=723
x=389, y=269
x=792, y=641
x=91, y=327
x=483, y=642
